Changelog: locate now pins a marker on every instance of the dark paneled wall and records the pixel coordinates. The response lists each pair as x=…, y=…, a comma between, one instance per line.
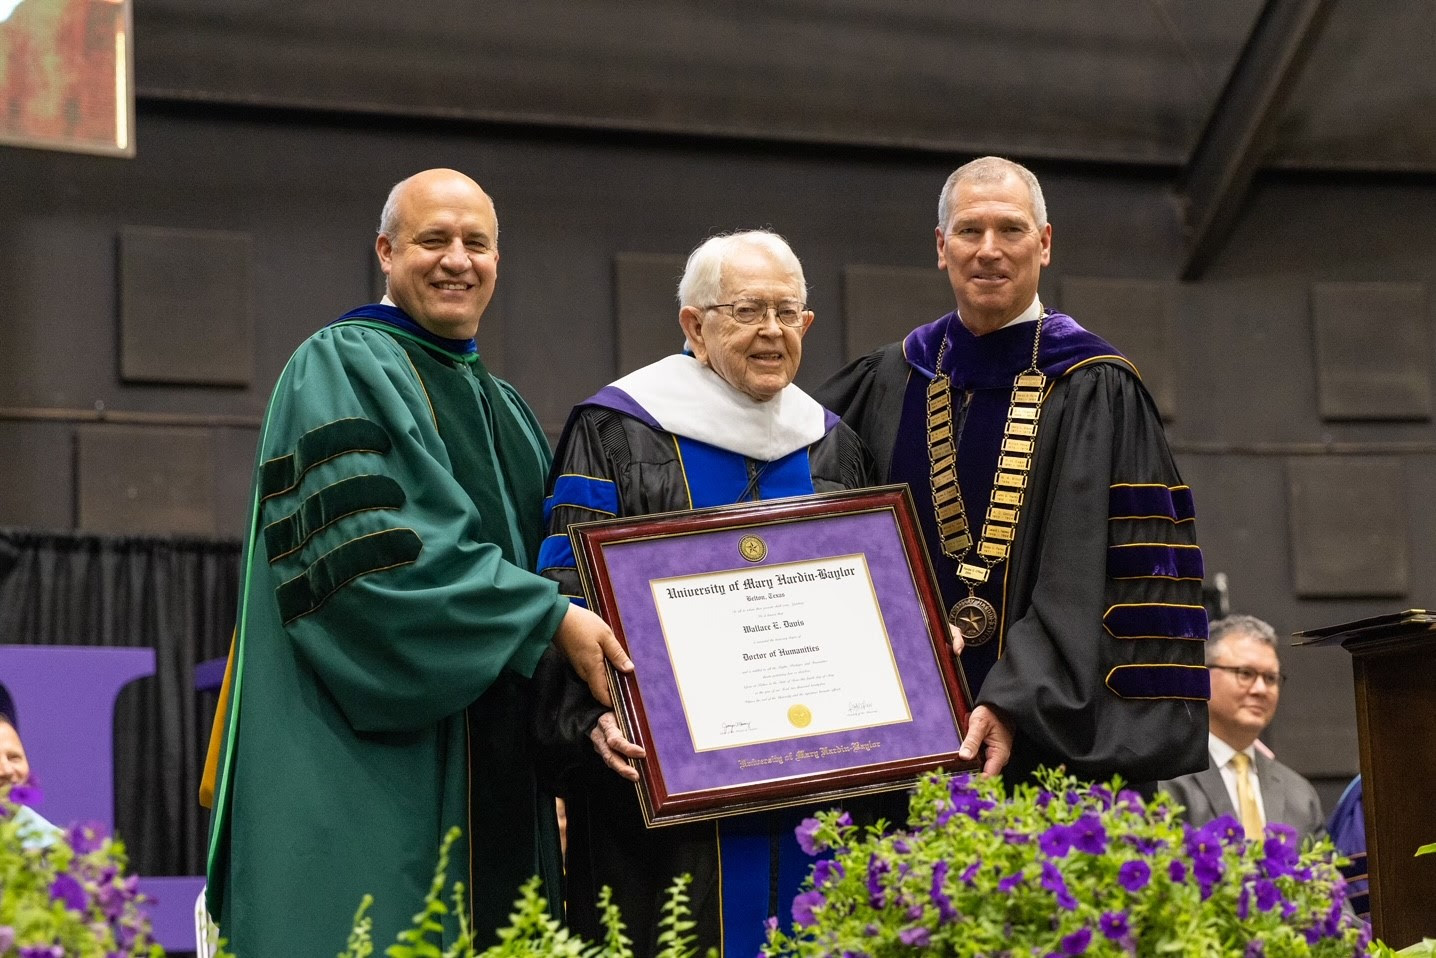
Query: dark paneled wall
x=589, y=222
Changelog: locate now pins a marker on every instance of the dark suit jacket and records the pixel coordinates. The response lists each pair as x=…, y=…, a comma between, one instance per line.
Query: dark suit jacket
x=1287, y=797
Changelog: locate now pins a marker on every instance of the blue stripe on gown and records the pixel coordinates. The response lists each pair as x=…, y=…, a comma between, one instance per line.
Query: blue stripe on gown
x=746, y=843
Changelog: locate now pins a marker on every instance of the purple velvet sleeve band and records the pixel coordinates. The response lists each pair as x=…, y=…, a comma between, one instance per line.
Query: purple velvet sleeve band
x=1140, y=560
x=1160, y=682
x=1156, y=620
x=1151, y=501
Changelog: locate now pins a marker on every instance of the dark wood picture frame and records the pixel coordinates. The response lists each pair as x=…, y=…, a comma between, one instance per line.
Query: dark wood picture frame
x=619, y=560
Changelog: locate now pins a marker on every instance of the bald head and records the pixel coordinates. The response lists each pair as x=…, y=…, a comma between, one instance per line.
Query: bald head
x=438, y=246
x=389, y=216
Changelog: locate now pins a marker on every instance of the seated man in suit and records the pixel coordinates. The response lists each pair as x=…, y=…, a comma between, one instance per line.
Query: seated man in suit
x=1241, y=781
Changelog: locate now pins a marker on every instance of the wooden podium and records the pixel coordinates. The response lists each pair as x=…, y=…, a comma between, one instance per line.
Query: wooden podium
x=1394, y=665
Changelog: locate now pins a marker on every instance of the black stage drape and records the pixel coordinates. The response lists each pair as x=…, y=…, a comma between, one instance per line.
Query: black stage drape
x=176, y=596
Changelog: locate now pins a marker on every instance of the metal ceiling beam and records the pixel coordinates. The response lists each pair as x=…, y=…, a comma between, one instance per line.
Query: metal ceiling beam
x=1216, y=178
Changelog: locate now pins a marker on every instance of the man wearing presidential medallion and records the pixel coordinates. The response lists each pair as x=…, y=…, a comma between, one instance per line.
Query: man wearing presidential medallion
x=1060, y=531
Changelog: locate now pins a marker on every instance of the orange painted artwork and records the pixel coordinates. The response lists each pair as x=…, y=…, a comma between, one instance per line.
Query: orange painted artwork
x=66, y=75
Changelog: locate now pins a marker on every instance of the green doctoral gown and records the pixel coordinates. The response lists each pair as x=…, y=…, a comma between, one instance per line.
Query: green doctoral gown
x=388, y=628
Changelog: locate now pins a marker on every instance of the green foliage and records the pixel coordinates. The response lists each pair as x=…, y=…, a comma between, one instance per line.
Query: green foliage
x=532, y=931
x=1064, y=868
x=674, y=940
x=65, y=892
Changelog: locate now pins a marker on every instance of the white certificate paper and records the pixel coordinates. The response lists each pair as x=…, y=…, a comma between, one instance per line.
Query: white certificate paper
x=779, y=651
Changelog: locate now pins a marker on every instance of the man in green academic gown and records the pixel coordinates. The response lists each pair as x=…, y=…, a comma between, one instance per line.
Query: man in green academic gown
x=388, y=626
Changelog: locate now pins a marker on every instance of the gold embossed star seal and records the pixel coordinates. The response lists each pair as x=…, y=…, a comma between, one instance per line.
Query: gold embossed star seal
x=753, y=548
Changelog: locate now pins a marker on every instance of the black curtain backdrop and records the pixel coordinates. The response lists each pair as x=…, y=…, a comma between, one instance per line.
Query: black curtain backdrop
x=176, y=596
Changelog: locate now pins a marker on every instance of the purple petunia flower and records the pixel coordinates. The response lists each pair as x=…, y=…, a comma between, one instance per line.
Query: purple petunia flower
x=1089, y=835
x=112, y=899
x=1228, y=831
x=1147, y=846
x=971, y=805
x=42, y=951
x=939, y=897
x=1132, y=801
x=1177, y=871
x=969, y=874
x=826, y=870
x=1134, y=876
x=1006, y=885
x=804, y=833
x=1209, y=871
x=803, y=907
x=7, y=938
x=1204, y=842
x=1279, y=850
x=86, y=838
x=1256, y=948
x=877, y=868
x=1012, y=836
x=915, y=937
x=1044, y=798
x=1077, y=942
x=1114, y=925
x=1267, y=894
x=1053, y=881
x=26, y=793
x=1244, y=906
x=66, y=889
x=1056, y=841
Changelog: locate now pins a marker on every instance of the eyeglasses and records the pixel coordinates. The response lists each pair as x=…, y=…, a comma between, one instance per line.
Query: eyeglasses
x=1246, y=677
x=750, y=311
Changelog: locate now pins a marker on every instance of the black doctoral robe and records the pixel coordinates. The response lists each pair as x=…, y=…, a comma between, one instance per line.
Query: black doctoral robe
x=614, y=459
x=1098, y=653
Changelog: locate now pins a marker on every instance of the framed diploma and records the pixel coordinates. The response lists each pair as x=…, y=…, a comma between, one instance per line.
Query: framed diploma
x=786, y=652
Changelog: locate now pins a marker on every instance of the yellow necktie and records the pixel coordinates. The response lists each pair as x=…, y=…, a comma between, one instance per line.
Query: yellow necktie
x=1246, y=797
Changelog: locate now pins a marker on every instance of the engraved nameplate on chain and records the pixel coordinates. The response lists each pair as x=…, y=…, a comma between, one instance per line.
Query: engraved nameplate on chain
x=993, y=550
x=972, y=573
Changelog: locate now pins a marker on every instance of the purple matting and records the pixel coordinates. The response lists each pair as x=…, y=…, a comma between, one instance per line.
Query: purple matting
x=632, y=565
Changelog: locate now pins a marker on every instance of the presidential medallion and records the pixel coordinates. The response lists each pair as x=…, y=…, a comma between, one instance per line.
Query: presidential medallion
x=975, y=619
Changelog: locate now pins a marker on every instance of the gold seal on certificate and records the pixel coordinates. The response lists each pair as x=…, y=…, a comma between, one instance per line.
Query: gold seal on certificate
x=800, y=716
x=753, y=548
x=975, y=618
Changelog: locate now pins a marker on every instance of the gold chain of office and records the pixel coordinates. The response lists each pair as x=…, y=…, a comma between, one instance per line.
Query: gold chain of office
x=973, y=616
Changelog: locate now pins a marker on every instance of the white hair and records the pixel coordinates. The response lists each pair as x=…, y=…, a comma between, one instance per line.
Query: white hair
x=990, y=169
x=389, y=216
x=702, y=281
